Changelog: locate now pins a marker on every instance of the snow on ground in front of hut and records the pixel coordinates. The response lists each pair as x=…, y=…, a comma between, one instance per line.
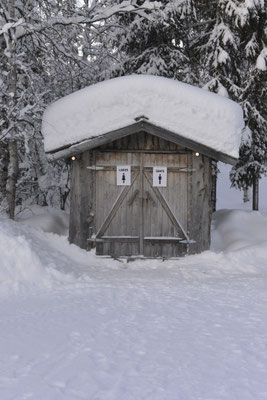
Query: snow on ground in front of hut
x=231, y=198
x=74, y=326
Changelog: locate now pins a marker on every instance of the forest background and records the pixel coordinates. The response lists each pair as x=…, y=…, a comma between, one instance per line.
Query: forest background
x=50, y=48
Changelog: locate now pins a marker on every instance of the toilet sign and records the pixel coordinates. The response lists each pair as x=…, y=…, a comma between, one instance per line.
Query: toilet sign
x=159, y=176
x=123, y=175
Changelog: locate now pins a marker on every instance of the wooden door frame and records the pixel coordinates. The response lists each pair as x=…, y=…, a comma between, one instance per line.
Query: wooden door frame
x=141, y=231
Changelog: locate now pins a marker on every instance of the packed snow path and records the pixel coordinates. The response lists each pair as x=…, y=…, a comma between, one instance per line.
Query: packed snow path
x=193, y=329
x=156, y=337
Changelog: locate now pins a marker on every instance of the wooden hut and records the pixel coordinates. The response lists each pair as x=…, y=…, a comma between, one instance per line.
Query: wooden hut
x=141, y=150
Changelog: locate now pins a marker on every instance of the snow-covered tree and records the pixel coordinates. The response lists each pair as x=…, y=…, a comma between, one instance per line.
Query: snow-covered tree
x=51, y=48
x=235, y=54
x=48, y=49
x=155, y=43
x=253, y=96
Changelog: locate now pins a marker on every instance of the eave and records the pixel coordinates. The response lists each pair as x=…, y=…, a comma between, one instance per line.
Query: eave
x=92, y=143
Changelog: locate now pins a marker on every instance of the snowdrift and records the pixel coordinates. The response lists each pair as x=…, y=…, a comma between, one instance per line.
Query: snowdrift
x=25, y=260
x=235, y=230
x=33, y=258
x=48, y=219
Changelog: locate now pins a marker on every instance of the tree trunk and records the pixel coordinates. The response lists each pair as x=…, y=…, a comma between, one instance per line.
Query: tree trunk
x=13, y=171
x=245, y=195
x=3, y=174
x=255, y=188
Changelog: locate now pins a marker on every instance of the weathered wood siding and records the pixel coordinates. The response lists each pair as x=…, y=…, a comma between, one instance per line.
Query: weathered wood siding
x=120, y=232
x=147, y=221
x=141, y=219
x=200, y=205
x=82, y=201
x=158, y=219
x=142, y=141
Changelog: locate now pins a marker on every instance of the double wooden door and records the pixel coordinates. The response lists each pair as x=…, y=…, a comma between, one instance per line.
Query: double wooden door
x=141, y=219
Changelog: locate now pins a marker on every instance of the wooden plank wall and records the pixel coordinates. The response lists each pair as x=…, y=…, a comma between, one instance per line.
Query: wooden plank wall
x=83, y=190
x=200, y=205
x=156, y=219
x=126, y=219
x=82, y=208
x=142, y=141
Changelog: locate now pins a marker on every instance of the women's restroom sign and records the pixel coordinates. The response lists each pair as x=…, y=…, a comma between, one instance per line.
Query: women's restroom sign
x=123, y=175
x=159, y=176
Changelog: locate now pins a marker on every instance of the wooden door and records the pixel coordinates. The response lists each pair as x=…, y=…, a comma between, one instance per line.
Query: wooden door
x=165, y=208
x=118, y=215
x=141, y=219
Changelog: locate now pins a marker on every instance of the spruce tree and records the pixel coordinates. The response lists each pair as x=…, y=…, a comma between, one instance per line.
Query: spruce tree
x=235, y=56
x=153, y=43
x=253, y=151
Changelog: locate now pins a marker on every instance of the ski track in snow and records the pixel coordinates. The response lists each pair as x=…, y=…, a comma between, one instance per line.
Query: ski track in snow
x=99, y=329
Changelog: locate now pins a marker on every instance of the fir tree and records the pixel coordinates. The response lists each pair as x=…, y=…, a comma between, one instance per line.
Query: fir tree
x=253, y=33
x=153, y=43
x=235, y=60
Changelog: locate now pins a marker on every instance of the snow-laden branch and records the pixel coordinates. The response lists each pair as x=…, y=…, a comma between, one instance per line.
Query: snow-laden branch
x=97, y=15
x=11, y=25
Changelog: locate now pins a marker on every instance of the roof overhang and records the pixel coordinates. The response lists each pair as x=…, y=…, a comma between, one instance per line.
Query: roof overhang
x=92, y=143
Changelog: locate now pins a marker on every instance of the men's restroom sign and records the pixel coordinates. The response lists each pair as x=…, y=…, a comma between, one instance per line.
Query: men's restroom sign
x=123, y=175
x=159, y=176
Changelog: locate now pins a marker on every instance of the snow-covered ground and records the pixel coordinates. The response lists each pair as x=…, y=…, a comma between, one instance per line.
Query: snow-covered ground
x=231, y=198
x=74, y=326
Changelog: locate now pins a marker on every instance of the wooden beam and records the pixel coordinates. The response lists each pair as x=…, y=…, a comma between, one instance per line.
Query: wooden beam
x=141, y=221
x=161, y=239
x=122, y=239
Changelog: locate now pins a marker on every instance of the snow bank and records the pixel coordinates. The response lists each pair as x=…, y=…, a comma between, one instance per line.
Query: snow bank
x=239, y=239
x=196, y=114
x=33, y=258
x=192, y=329
x=18, y=261
x=232, y=198
x=237, y=229
x=46, y=218
x=23, y=260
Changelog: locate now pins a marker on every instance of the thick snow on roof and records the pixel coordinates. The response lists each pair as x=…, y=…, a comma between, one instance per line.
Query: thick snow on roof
x=193, y=113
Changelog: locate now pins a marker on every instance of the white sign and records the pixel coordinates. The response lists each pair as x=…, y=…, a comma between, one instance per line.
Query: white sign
x=123, y=175
x=159, y=176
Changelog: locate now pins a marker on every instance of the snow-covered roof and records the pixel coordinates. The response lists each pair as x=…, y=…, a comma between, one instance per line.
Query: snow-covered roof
x=195, y=114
